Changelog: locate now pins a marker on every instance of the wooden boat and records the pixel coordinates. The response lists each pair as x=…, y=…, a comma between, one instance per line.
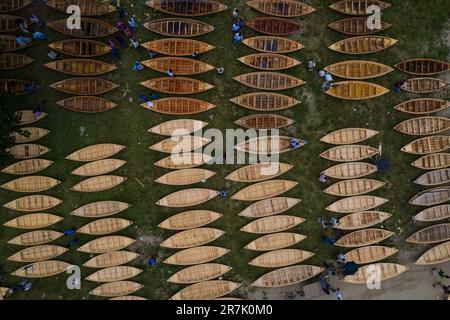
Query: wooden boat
x=433, y=161
x=350, y=170
x=181, y=144
x=100, y=209
x=355, y=187
x=423, y=67
x=422, y=106
x=33, y=221
x=190, y=219
x=98, y=167
x=111, y=259
x=206, y=290
x=192, y=238
x=281, y=8
x=385, y=271
x=176, y=85
x=424, y=85
x=269, y=207
x=275, y=241
x=33, y=203
x=433, y=214
x=362, y=44
x=198, y=273
x=179, y=66
x=187, y=198
x=30, y=184
x=423, y=126
x=269, y=80
x=272, y=224
x=185, y=177
x=90, y=28
x=349, y=136
x=287, y=276
x=15, y=87
x=86, y=104
x=428, y=145
x=8, y=43
x=28, y=117
x=280, y=258
x=3, y=291
x=273, y=26
x=196, y=255
x=13, y=5
x=264, y=121
x=87, y=7
x=84, y=86
x=106, y=244
x=34, y=238
x=187, y=8
x=358, y=69
x=9, y=61
x=433, y=234
x=434, y=178
x=96, y=152
x=263, y=190
x=436, y=255
x=177, y=46
x=272, y=44
x=269, y=145
x=349, y=153
x=27, y=150
x=116, y=288
x=265, y=101
x=28, y=134
x=105, y=226
x=37, y=253
x=356, y=26
x=355, y=204
x=178, y=127
x=117, y=273
x=269, y=61
x=179, y=106
x=128, y=298
x=99, y=183
x=81, y=47
x=431, y=197
x=363, y=237
x=178, y=27
x=183, y=160
x=369, y=254
x=357, y=7
x=356, y=90
x=80, y=67
x=360, y=220
x=42, y=269
x=259, y=172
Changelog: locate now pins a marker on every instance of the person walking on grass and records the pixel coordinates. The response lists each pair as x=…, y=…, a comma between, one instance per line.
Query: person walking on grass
x=440, y=273
x=237, y=38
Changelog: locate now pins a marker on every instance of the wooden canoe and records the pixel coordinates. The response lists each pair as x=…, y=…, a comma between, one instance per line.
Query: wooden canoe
x=176, y=85
x=106, y=244
x=355, y=187
x=128, y=298
x=183, y=161
x=275, y=241
x=281, y=8
x=8, y=43
x=269, y=61
x=263, y=190
x=272, y=224
x=422, y=106
x=30, y=184
x=423, y=126
x=179, y=106
x=99, y=183
x=187, y=198
x=369, y=254
x=9, y=61
x=264, y=121
x=434, y=178
x=34, y=238
x=27, y=150
x=423, y=67
x=28, y=134
x=84, y=86
x=362, y=44
x=116, y=288
x=37, y=253
x=180, y=145
x=117, y=273
x=355, y=204
x=273, y=26
x=13, y=5
x=360, y=220
x=100, y=209
x=178, y=127
x=269, y=80
x=177, y=46
x=33, y=221
x=83, y=48
x=428, y=145
x=179, y=66
x=433, y=214
x=350, y=170
x=268, y=145
x=185, y=177
x=356, y=90
x=33, y=203
x=206, y=290
x=187, y=8
x=269, y=207
x=433, y=161
x=424, y=85
x=190, y=220
x=98, y=167
x=192, y=238
x=431, y=197
x=15, y=87
x=436, y=255
x=358, y=69
x=87, y=7
x=280, y=258
x=42, y=269
x=349, y=136
x=80, y=67
x=111, y=259
x=198, y=273
x=105, y=226
x=349, y=153
x=433, y=234
x=356, y=26
x=384, y=271
x=27, y=116
x=96, y=152
x=272, y=44
x=287, y=276
x=197, y=255
x=357, y=7
x=265, y=101
x=259, y=172
x=363, y=237
x=178, y=27
x=90, y=28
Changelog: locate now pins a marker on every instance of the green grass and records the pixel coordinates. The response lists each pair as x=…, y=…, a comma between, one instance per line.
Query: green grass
x=419, y=25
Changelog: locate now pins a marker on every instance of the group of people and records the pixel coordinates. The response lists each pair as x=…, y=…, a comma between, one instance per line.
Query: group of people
x=441, y=275
x=30, y=34
x=237, y=26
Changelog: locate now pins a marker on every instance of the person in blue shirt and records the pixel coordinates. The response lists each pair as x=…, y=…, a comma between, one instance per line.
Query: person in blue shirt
x=137, y=66
x=132, y=23
x=235, y=27
x=238, y=37
x=170, y=73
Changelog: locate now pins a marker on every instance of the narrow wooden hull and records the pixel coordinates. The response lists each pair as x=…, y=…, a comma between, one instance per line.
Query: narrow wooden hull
x=363, y=44
x=360, y=220
x=385, y=271
x=90, y=28
x=9, y=61
x=177, y=85
x=269, y=61
x=179, y=66
x=181, y=144
x=269, y=207
x=259, y=172
x=178, y=27
x=431, y=197
x=275, y=241
x=87, y=7
x=30, y=184
x=192, y=238
x=183, y=161
x=178, y=127
x=269, y=145
x=27, y=150
x=424, y=85
x=187, y=198
x=434, y=234
x=428, y=145
x=356, y=26
x=272, y=224
x=436, y=255
x=98, y=167
x=190, y=220
x=264, y=121
x=83, y=48
x=349, y=153
x=117, y=288
x=80, y=67
x=106, y=244
x=105, y=226
x=198, y=273
x=422, y=106
x=433, y=214
x=350, y=170
x=423, y=126
x=42, y=269
x=111, y=259
x=265, y=101
x=38, y=253
x=86, y=104
x=34, y=238
x=356, y=90
x=177, y=46
x=84, y=86
x=433, y=161
x=117, y=273
x=206, y=290
x=273, y=26
x=349, y=136
x=357, y=7
x=434, y=178
x=185, y=177
x=272, y=44
x=281, y=8
x=8, y=6
x=8, y=43
x=95, y=152
x=179, y=106
x=33, y=203
x=369, y=254
x=264, y=190
x=187, y=8
x=280, y=258
x=287, y=276
x=15, y=87
x=99, y=183
x=197, y=255
x=363, y=237
x=358, y=69
x=423, y=67
x=28, y=134
x=33, y=221
x=100, y=209
x=355, y=204
x=27, y=116
x=269, y=81
x=355, y=187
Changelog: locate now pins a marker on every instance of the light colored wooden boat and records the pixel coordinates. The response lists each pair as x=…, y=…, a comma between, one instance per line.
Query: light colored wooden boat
x=358, y=69
x=431, y=197
x=272, y=44
x=356, y=26
x=363, y=237
x=38, y=253
x=349, y=153
x=28, y=117
x=128, y=298
x=106, y=244
x=384, y=271
x=8, y=43
x=183, y=160
x=369, y=254
x=434, y=178
x=363, y=44
x=188, y=8
x=350, y=170
x=433, y=161
x=423, y=126
x=33, y=203
x=27, y=150
x=355, y=204
x=196, y=255
x=422, y=106
x=264, y=121
x=281, y=8
x=80, y=67
x=423, y=67
x=116, y=288
x=187, y=198
x=433, y=234
x=81, y=47
x=98, y=183
x=34, y=238
x=87, y=7
x=428, y=145
x=190, y=219
x=269, y=207
x=287, y=276
x=15, y=87
x=42, y=269
x=265, y=101
x=13, y=5
x=269, y=80
x=360, y=220
x=272, y=224
x=111, y=259
x=179, y=106
x=96, y=152
x=280, y=258
x=179, y=27
x=259, y=172
x=273, y=26
x=179, y=66
x=355, y=187
x=185, y=176
x=206, y=290
x=177, y=85
x=436, y=255
x=177, y=46
x=424, y=85
x=90, y=28
x=117, y=273
x=29, y=166
x=433, y=214
x=100, y=209
x=180, y=145
x=275, y=241
x=178, y=127
x=192, y=238
x=269, y=61
x=9, y=61
x=98, y=167
x=357, y=7
x=349, y=136
x=28, y=134
x=105, y=226
x=31, y=184
x=3, y=292
x=269, y=144
x=199, y=272
x=356, y=90
x=33, y=221
x=263, y=190
x=84, y=86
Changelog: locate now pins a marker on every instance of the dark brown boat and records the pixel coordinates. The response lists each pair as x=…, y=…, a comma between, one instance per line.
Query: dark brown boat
x=177, y=46
x=84, y=86
x=90, y=28
x=264, y=121
x=13, y=5
x=8, y=43
x=422, y=106
x=265, y=101
x=14, y=86
x=80, y=67
x=86, y=104
x=274, y=26
x=356, y=26
x=8, y=23
x=13, y=61
x=178, y=106
x=423, y=67
x=357, y=7
x=178, y=27
x=87, y=7
x=177, y=85
x=187, y=8
x=179, y=66
x=81, y=47
x=281, y=8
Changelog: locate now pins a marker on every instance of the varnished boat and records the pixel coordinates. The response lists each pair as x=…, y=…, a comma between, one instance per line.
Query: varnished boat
x=263, y=190
x=188, y=8
x=34, y=238
x=177, y=46
x=196, y=255
x=96, y=152
x=433, y=234
x=355, y=204
x=269, y=80
x=436, y=255
x=84, y=86
x=273, y=26
x=422, y=106
x=30, y=184
x=363, y=44
x=269, y=207
x=116, y=288
x=9, y=61
x=8, y=43
x=185, y=177
x=183, y=160
x=369, y=254
x=198, y=273
x=181, y=144
x=187, y=198
x=177, y=85
x=357, y=7
x=433, y=214
x=358, y=69
x=350, y=170
x=178, y=127
x=28, y=116
x=264, y=121
x=99, y=183
x=179, y=66
x=190, y=219
x=33, y=203
x=423, y=67
x=111, y=259
x=192, y=238
x=117, y=273
x=259, y=172
x=280, y=258
x=106, y=244
x=287, y=276
x=33, y=221
x=27, y=150
x=87, y=7
x=431, y=197
x=384, y=271
x=363, y=237
x=15, y=86
x=179, y=106
x=206, y=290
x=272, y=44
x=424, y=85
x=42, y=269
x=178, y=27
x=272, y=224
x=86, y=104
x=81, y=47
x=356, y=26
x=100, y=209
x=434, y=178
x=98, y=167
x=428, y=145
x=281, y=8
x=265, y=101
x=349, y=153
x=105, y=226
x=269, y=61
x=80, y=67
x=13, y=5
x=423, y=126
x=433, y=161
x=269, y=145
x=360, y=220
x=349, y=136
x=37, y=253
x=356, y=90
x=354, y=187
x=90, y=28
x=28, y=134
x=275, y=241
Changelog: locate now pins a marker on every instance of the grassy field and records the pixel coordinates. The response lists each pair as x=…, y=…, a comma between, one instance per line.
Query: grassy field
x=418, y=25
